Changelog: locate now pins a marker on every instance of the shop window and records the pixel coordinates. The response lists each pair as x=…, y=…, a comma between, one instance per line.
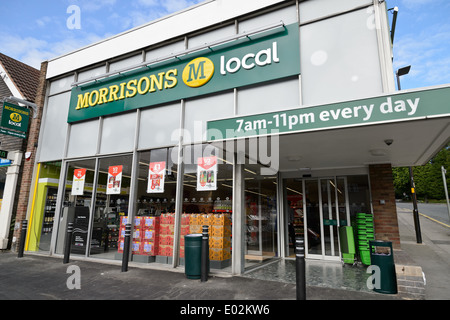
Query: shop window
x=261, y=216
x=111, y=206
x=358, y=195
x=207, y=191
x=153, y=226
x=76, y=206
x=207, y=200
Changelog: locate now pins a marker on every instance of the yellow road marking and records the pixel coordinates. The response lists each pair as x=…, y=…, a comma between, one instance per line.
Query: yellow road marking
x=424, y=215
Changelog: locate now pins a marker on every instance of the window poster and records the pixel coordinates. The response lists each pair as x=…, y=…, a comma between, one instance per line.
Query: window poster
x=79, y=177
x=156, y=174
x=114, y=180
x=207, y=174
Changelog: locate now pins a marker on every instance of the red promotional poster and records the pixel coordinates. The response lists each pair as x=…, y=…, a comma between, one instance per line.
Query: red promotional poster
x=207, y=174
x=156, y=174
x=114, y=180
x=79, y=177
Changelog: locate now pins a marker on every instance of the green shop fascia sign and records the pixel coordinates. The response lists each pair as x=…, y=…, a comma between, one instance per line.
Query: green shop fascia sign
x=14, y=120
x=249, y=60
x=415, y=105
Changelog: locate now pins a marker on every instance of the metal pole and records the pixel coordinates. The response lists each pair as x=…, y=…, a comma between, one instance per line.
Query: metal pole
x=68, y=242
x=23, y=236
x=204, y=268
x=300, y=270
x=444, y=179
x=400, y=72
x=126, y=248
x=415, y=210
x=394, y=23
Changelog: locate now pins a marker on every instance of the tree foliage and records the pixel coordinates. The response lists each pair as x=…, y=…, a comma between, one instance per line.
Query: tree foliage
x=427, y=178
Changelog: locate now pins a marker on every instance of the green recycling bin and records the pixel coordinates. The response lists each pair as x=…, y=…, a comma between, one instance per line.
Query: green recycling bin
x=384, y=259
x=193, y=255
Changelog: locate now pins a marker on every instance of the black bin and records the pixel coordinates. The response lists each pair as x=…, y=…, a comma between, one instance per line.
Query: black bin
x=384, y=259
x=193, y=255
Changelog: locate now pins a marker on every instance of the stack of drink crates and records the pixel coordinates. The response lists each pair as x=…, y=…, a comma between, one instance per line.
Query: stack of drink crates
x=364, y=233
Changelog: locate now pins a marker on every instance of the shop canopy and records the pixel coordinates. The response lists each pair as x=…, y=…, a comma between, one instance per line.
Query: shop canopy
x=405, y=128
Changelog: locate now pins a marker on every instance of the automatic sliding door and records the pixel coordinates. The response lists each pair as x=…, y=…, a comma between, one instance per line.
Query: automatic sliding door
x=329, y=220
x=261, y=216
x=326, y=207
x=334, y=214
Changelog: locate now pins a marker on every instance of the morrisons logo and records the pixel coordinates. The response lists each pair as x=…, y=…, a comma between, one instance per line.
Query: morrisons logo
x=144, y=85
x=198, y=72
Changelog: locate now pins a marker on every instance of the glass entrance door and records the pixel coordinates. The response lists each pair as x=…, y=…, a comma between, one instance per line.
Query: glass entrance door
x=335, y=213
x=324, y=209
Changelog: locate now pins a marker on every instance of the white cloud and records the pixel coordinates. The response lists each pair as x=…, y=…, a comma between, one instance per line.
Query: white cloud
x=33, y=51
x=99, y=19
x=44, y=21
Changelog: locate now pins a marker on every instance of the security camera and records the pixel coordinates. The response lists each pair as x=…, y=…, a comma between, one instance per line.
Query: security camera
x=388, y=142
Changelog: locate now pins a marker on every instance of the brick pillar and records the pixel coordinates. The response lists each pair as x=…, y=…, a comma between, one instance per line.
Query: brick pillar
x=28, y=166
x=383, y=203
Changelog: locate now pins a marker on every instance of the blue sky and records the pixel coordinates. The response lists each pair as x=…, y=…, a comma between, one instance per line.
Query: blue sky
x=32, y=31
x=36, y=30
x=422, y=40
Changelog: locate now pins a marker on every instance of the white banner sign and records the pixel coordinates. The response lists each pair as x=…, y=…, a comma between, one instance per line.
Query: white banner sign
x=114, y=180
x=207, y=174
x=79, y=177
x=156, y=175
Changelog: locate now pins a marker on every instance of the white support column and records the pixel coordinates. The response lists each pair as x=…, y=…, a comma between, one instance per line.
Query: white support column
x=12, y=175
x=384, y=46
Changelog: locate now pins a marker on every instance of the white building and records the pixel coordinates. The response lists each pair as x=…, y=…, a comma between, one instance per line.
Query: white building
x=299, y=101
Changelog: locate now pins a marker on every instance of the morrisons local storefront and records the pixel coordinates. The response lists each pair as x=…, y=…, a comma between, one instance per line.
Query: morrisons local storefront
x=263, y=121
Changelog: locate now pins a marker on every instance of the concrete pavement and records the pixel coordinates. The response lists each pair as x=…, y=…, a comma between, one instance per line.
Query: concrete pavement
x=41, y=278
x=36, y=277
x=433, y=254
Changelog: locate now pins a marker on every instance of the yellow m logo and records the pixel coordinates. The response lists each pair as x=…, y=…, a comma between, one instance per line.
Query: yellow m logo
x=198, y=72
x=15, y=117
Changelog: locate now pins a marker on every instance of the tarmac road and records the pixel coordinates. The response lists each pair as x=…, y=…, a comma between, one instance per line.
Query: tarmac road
x=437, y=211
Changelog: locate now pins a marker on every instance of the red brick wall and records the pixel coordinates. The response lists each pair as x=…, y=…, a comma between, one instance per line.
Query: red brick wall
x=28, y=166
x=385, y=215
